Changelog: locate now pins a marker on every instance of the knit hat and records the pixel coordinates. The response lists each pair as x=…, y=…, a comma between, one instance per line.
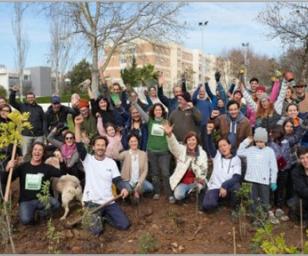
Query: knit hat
x=260, y=88
x=186, y=96
x=83, y=103
x=55, y=99
x=260, y=135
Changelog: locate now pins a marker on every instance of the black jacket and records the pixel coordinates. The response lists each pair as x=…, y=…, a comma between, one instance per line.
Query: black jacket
x=54, y=118
x=300, y=181
x=37, y=116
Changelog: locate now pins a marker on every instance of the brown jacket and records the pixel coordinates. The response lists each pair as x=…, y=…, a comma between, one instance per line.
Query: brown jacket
x=303, y=105
x=126, y=170
x=243, y=129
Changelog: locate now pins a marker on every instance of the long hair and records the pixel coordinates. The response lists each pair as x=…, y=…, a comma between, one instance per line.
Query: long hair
x=151, y=112
x=262, y=112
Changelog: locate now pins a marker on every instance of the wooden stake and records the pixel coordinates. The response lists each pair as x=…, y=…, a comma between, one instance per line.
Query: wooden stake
x=94, y=210
x=234, y=241
x=9, y=180
x=301, y=224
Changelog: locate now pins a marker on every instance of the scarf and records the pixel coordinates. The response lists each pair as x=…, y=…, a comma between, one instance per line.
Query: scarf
x=68, y=151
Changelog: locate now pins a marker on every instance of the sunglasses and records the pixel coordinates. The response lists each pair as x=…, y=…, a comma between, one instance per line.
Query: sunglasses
x=69, y=138
x=299, y=86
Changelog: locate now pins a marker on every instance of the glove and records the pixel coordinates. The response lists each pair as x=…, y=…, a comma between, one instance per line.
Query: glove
x=217, y=76
x=273, y=186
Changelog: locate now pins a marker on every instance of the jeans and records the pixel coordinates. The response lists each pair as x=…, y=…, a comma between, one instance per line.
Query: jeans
x=27, y=144
x=160, y=161
x=27, y=209
x=181, y=190
x=211, y=198
x=280, y=193
x=147, y=187
x=112, y=213
x=260, y=195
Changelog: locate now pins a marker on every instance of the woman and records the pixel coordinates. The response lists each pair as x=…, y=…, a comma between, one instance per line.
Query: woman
x=135, y=126
x=69, y=153
x=191, y=164
x=157, y=149
x=135, y=168
x=226, y=175
x=4, y=111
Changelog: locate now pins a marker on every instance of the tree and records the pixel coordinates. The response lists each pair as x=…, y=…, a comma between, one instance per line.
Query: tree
x=3, y=91
x=60, y=46
x=78, y=74
x=112, y=24
x=289, y=23
x=22, y=43
x=133, y=76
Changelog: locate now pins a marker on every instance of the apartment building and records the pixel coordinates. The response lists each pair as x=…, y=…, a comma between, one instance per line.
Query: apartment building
x=172, y=59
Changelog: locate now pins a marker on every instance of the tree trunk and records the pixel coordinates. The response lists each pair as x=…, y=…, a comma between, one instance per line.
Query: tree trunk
x=94, y=69
x=305, y=63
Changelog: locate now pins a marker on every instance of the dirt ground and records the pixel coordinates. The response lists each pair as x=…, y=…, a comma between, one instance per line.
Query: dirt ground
x=178, y=228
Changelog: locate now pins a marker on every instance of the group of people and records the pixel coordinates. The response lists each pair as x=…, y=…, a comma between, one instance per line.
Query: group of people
x=163, y=146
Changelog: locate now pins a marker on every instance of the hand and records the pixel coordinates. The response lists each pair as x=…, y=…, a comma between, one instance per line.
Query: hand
x=222, y=192
x=10, y=164
x=138, y=187
x=217, y=76
x=278, y=74
x=75, y=100
x=168, y=128
x=206, y=79
x=161, y=79
x=124, y=193
x=189, y=105
x=200, y=181
x=78, y=120
x=273, y=186
x=215, y=113
x=15, y=88
x=250, y=139
x=209, y=128
x=289, y=76
x=97, y=115
x=146, y=93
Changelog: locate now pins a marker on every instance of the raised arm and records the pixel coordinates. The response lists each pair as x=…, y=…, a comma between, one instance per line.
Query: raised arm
x=12, y=99
x=144, y=115
x=100, y=126
x=208, y=143
x=242, y=150
x=80, y=147
x=52, y=140
x=195, y=95
x=278, y=105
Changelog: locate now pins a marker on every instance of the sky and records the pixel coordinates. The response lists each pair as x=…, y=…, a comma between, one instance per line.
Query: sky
x=229, y=25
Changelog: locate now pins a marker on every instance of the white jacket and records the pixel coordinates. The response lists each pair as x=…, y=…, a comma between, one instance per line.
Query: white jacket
x=183, y=161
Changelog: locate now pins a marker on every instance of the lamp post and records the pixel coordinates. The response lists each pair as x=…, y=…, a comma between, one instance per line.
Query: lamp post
x=202, y=25
x=245, y=46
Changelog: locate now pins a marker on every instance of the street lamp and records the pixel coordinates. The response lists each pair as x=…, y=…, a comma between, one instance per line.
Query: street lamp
x=245, y=46
x=202, y=26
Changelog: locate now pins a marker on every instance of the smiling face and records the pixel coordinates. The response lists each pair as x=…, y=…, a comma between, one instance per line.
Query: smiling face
x=69, y=139
x=224, y=148
x=37, y=153
x=135, y=114
x=110, y=131
x=30, y=98
x=99, y=148
x=254, y=85
x=4, y=112
x=103, y=104
x=177, y=90
x=260, y=144
x=304, y=161
x=158, y=112
x=192, y=143
x=233, y=110
x=133, y=143
x=292, y=111
x=202, y=93
x=153, y=92
x=288, y=128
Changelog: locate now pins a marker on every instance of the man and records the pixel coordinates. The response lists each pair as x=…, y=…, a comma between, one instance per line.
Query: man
x=32, y=176
x=170, y=103
x=233, y=125
x=185, y=118
x=89, y=124
x=237, y=96
x=101, y=172
x=203, y=104
x=37, y=120
x=301, y=97
x=300, y=185
x=57, y=113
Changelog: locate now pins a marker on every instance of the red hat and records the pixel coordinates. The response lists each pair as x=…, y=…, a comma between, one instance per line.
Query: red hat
x=83, y=103
x=261, y=88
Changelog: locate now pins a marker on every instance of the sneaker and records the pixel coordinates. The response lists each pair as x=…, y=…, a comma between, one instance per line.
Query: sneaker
x=284, y=218
x=156, y=197
x=171, y=200
x=272, y=218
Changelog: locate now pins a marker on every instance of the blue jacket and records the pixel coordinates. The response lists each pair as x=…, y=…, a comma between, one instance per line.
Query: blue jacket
x=204, y=106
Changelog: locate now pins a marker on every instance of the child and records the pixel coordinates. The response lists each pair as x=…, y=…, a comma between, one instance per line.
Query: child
x=261, y=170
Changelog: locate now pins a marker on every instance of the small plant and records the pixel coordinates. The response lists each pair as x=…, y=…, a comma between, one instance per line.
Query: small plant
x=44, y=195
x=147, y=243
x=271, y=244
x=53, y=238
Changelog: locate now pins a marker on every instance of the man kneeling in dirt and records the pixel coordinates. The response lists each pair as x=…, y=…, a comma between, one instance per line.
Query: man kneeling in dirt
x=300, y=184
x=32, y=176
x=101, y=172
